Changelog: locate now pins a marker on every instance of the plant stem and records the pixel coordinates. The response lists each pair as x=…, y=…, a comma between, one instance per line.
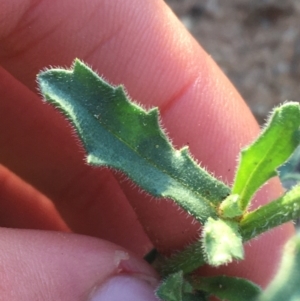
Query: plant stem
x=280, y=211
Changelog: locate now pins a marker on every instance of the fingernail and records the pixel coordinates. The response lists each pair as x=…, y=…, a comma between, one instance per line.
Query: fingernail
x=126, y=288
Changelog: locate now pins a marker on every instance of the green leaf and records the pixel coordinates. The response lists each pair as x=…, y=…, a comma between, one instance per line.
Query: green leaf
x=275, y=213
x=187, y=260
x=120, y=134
x=286, y=284
x=230, y=208
x=197, y=296
x=171, y=289
x=227, y=288
x=259, y=161
x=176, y=288
x=222, y=241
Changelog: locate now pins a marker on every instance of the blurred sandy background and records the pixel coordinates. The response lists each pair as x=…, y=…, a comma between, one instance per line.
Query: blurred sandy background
x=255, y=42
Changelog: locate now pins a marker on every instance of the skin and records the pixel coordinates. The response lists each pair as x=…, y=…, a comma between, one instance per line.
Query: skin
x=45, y=183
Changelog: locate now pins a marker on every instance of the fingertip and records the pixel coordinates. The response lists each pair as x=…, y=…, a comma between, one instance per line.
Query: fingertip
x=127, y=288
x=41, y=265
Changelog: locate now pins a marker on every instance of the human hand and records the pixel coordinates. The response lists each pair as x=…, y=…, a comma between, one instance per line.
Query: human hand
x=143, y=46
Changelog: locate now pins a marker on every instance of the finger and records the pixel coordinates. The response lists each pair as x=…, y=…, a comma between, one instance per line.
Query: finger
x=170, y=70
x=21, y=206
x=38, y=265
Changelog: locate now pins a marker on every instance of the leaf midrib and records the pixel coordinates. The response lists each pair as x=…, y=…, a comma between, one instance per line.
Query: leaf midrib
x=152, y=163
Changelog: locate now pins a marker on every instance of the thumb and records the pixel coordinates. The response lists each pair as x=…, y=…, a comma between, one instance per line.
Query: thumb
x=43, y=265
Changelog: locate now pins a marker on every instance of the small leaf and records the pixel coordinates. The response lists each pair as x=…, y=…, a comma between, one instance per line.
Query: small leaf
x=230, y=207
x=175, y=288
x=222, y=241
x=120, y=134
x=259, y=161
x=171, y=289
x=196, y=296
x=187, y=260
x=286, y=284
x=227, y=288
x=273, y=214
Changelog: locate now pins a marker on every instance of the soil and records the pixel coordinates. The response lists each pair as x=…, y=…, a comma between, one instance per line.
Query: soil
x=256, y=43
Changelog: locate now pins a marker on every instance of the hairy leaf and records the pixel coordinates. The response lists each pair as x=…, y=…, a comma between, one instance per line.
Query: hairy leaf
x=275, y=213
x=259, y=161
x=285, y=285
x=120, y=134
x=222, y=241
x=171, y=289
x=176, y=288
x=227, y=288
x=187, y=260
